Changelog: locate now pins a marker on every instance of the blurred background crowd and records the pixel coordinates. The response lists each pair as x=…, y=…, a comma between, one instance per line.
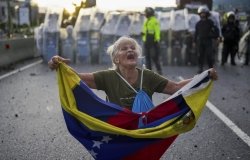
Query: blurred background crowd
x=83, y=29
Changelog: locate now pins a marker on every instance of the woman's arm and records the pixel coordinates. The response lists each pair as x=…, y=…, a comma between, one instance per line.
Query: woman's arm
x=172, y=87
x=88, y=78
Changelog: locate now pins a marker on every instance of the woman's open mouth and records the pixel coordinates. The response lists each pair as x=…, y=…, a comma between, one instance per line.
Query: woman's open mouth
x=130, y=56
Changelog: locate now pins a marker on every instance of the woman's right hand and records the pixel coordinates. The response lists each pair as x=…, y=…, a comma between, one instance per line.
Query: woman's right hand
x=54, y=62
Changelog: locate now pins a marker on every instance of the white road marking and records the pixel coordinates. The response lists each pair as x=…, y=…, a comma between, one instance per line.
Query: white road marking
x=20, y=69
x=229, y=123
x=241, y=134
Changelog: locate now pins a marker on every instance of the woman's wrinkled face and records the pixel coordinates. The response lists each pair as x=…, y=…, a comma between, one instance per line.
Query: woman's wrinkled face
x=127, y=55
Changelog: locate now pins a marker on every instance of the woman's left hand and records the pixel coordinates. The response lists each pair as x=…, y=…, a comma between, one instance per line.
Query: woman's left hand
x=213, y=74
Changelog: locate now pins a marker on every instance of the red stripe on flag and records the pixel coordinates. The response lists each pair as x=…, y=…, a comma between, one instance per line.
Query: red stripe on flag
x=153, y=151
x=125, y=119
x=163, y=110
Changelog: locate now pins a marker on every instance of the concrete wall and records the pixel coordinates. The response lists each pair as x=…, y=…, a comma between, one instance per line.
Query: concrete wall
x=14, y=50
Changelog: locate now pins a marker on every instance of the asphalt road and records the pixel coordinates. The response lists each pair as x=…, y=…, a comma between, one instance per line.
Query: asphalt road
x=32, y=124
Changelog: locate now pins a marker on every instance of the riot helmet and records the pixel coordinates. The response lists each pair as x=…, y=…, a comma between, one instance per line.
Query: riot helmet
x=231, y=17
x=149, y=12
x=203, y=9
x=231, y=14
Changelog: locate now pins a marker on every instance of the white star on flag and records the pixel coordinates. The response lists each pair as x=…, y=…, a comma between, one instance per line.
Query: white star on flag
x=93, y=153
x=106, y=139
x=97, y=144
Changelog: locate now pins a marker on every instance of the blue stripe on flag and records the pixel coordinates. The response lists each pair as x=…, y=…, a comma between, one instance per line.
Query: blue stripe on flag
x=91, y=104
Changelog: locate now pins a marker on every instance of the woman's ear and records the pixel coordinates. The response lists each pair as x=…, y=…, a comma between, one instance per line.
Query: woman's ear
x=116, y=60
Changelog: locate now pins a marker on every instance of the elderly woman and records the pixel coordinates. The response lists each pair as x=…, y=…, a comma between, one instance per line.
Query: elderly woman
x=122, y=82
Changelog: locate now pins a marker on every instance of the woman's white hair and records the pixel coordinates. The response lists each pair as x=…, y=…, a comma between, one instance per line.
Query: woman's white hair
x=115, y=47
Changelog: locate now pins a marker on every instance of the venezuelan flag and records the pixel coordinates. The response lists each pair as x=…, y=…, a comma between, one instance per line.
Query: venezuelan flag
x=110, y=132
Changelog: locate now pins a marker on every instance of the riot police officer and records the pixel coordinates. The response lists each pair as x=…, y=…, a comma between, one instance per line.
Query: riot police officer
x=151, y=38
x=231, y=34
x=205, y=32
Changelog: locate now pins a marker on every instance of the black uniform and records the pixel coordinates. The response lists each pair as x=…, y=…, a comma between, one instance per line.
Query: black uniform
x=231, y=34
x=205, y=32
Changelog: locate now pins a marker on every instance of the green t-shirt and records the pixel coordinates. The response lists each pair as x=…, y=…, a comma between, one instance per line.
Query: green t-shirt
x=119, y=92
